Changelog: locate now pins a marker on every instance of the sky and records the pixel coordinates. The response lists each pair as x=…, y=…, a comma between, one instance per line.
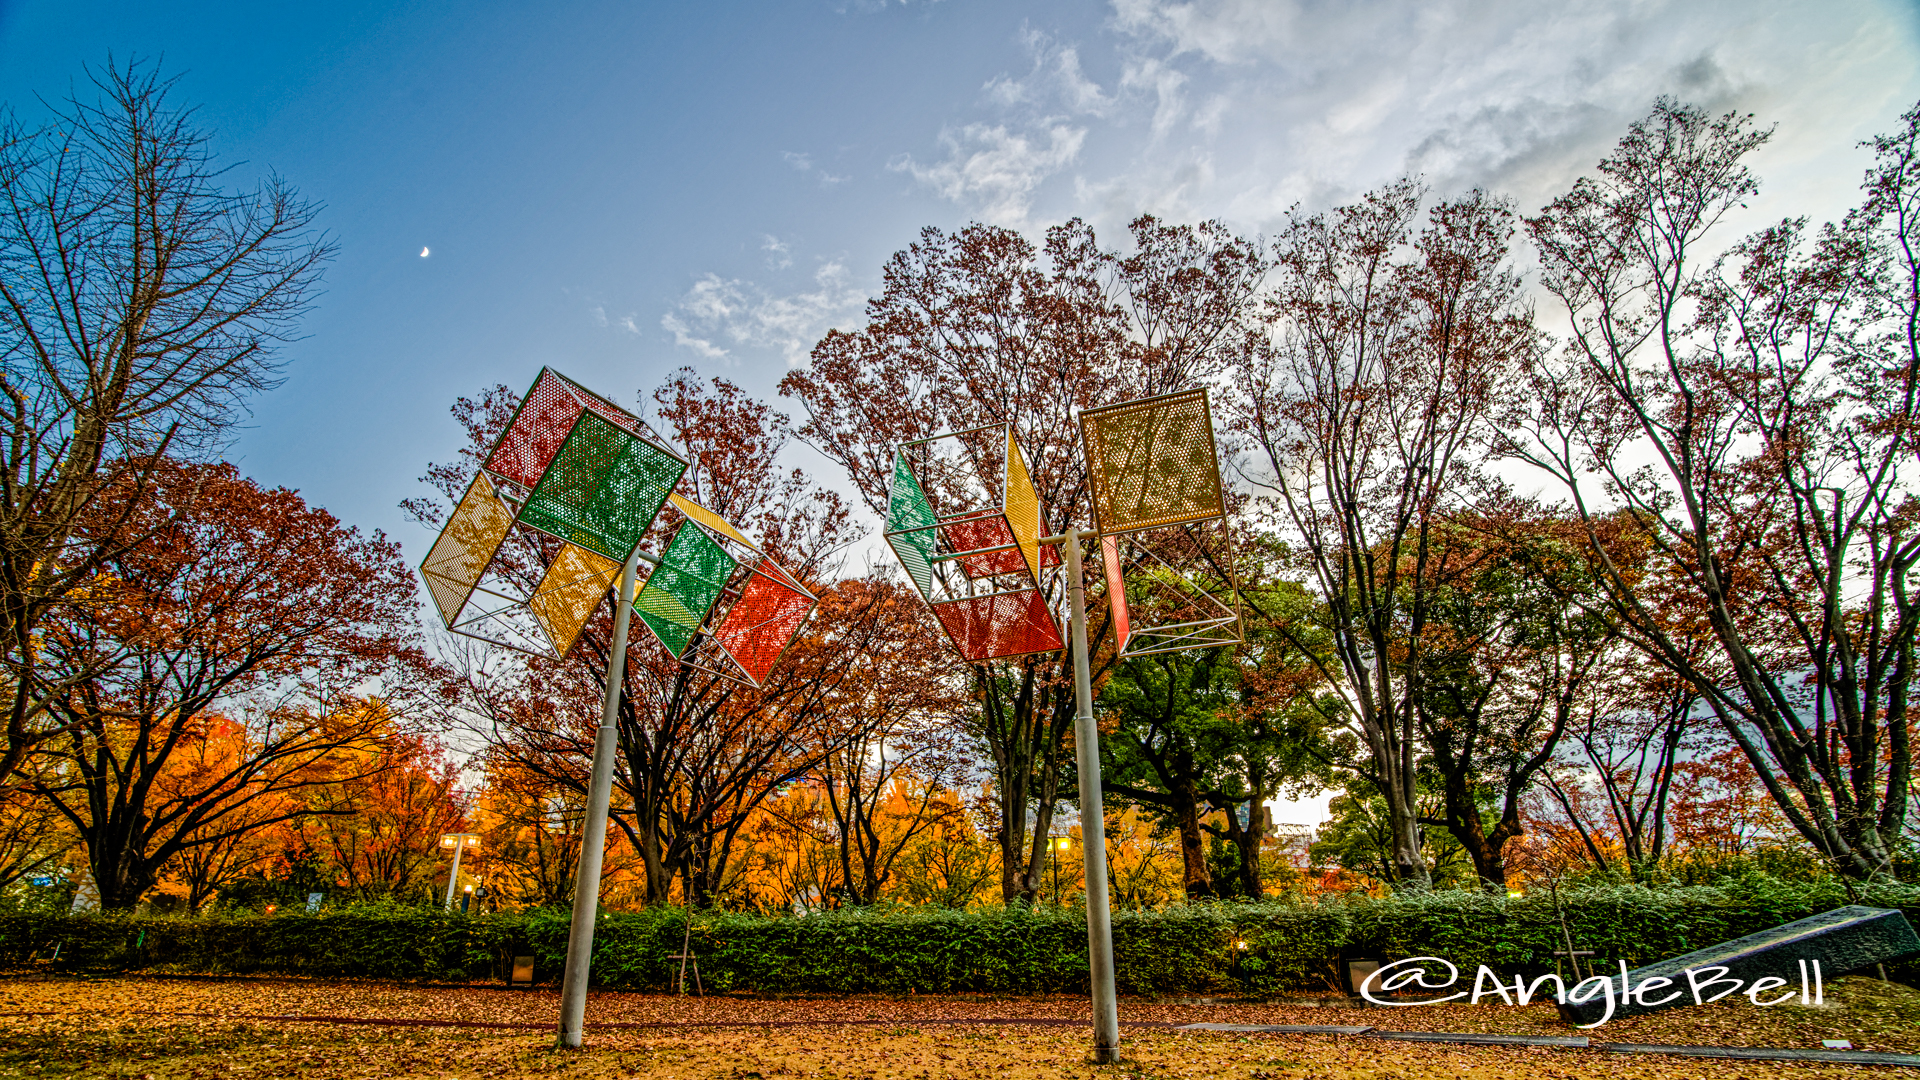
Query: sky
x=622, y=189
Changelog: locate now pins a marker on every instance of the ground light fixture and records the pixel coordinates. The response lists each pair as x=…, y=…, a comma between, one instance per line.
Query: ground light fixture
x=965, y=523
x=551, y=526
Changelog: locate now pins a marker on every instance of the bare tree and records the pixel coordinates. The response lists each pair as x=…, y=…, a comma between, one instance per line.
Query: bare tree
x=1368, y=411
x=1737, y=433
x=141, y=305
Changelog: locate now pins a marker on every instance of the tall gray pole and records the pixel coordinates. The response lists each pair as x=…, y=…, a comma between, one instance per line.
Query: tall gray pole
x=1093, y=825
x=586, y=886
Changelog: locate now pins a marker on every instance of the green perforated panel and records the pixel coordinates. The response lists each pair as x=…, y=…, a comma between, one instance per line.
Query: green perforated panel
x=680, y=591
x=603, y=488
x=908, y=509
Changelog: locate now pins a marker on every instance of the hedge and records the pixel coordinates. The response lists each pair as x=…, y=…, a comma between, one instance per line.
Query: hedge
x=1254, y=949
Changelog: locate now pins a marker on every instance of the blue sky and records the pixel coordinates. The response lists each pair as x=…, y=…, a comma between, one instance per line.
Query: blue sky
x=622, y=189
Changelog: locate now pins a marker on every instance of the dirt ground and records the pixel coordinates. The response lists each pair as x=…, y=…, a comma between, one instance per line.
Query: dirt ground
x=190, y=1028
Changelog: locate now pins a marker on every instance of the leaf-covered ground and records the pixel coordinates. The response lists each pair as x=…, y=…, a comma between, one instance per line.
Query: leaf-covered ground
x=188, y=1029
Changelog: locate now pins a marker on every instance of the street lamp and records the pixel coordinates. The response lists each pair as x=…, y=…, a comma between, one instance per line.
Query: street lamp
x=1057, y=845
x=457, y=842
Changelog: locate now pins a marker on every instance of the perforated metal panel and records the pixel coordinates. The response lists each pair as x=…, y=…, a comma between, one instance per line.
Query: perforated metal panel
x=541, y=423
x=603, y=488
x=1152, y=462
x=764, y=620
x=1022, y=507
x=1116, y=590
x=910, y=526
x=710, y=521
x=1167, y=594
x=575, y=583
x=464, y=548
x=681, y=590
x=978, y=566
x=999, y=625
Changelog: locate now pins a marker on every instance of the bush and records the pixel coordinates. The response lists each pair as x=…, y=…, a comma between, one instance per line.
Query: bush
x=1260, y=949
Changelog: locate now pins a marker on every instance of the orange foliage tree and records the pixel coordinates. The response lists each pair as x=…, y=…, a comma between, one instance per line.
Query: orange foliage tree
x=237, y=606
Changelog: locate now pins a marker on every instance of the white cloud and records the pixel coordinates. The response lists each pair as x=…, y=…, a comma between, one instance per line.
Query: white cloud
x=778, y=257
x=803, y=163
x=621, y=322
x=741, y=313
x=1242, y=109
x=1317, y=102
x=995, y=172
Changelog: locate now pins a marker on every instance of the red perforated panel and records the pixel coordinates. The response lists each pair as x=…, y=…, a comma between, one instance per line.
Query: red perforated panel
x=1116, y=589
x=762, y=621
x=986, y=531
x=1004, y=624
x=546, y=415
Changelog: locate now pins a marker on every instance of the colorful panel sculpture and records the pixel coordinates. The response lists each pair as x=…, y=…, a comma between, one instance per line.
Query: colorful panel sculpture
x=1164, y=547
x=574, y=466
x=718, y=603
x=978, y=566
x=541, y=424
x=465, y=547
x=1171, y=589
x=575, y=583
x=1152, y=462
x=764, y=620
x=999, y=625
x=692, y=572
x=603, y=488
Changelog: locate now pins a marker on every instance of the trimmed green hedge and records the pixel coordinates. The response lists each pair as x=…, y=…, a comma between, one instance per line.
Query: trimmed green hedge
x=1190, y=949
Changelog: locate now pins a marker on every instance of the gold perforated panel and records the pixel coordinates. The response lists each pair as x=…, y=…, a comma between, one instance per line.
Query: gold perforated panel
x=464, y=548
x=1152, y=462
x=573, y=587
x=1022, y=507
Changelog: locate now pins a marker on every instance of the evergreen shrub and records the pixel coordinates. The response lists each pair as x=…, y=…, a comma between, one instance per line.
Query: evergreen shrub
x=1261, y=949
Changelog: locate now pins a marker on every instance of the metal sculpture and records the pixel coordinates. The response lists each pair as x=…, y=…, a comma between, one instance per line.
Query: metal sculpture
x=975, y=559
x=1155, y=478
x=571, y=488
x=568, y=489
x=1161, y=514
x=718, y=603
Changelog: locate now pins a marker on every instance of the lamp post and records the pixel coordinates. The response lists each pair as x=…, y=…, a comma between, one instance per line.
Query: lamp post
x=457, y=842
x=1057, y=845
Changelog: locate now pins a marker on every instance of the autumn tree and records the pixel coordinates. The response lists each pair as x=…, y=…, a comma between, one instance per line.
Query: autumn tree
x=1613, y=794
x=236, y=605
x=1367, y=410
x=142, y=303
x=1741, y=422
x=982, y=326
x=376, y=831
x=891, y=744
x=531, y=829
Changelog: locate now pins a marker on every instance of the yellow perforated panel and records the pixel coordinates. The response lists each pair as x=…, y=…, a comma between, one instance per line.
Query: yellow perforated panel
x=711, y=520
x=464, y=548
x=573, y=587
x=1152, y=462
x=1022, y=507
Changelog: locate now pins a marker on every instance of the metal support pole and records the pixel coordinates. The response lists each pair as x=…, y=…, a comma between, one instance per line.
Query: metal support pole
x=593, y=846
x=1093, y=825
x=453, y=876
